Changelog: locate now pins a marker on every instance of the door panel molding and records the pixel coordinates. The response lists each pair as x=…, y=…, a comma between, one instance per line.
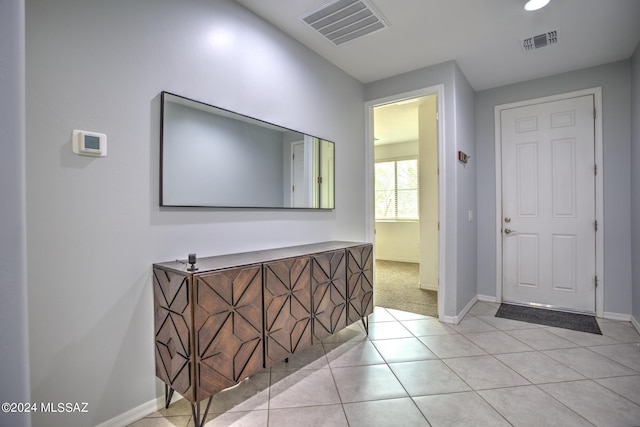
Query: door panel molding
x=561, y=120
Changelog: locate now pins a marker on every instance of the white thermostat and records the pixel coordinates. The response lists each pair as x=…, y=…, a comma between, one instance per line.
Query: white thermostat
x=89, y=143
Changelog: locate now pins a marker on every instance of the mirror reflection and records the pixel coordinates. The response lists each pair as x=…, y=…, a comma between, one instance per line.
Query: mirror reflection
x=211, y=157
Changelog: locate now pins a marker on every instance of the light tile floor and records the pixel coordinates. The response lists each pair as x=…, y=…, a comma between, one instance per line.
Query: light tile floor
x=413, y=370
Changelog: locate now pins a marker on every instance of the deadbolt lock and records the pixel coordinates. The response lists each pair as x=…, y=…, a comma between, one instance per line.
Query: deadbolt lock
x=507, y=220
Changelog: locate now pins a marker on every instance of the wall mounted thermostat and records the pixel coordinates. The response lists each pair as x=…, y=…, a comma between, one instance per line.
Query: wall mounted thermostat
x=89, y=143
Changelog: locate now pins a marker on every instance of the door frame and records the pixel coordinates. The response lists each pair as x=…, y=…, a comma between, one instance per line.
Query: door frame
x=292, y=162
x=599, y=185
x=437, y=90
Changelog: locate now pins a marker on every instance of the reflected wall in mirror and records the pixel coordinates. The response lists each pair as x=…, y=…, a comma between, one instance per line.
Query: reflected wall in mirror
x=211, y=157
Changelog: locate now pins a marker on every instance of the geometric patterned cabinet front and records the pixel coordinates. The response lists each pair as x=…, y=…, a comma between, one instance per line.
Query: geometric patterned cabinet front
x=227, y=319
x=173, y=346
x=360, y=282
x=329, y=293
x=237, y=314
x=287, y=308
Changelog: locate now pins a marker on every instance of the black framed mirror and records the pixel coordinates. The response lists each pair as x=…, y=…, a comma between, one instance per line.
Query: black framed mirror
x=212, y=157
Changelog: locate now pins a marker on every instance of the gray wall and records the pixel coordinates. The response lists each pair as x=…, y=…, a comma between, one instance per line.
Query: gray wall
x=614, y=79
x=14, y=367
x=458, y=116
x=466, y=194
x=94, y=225
x=635, y=179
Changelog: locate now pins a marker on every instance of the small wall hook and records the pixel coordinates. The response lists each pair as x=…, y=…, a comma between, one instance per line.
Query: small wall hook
x=463, y=157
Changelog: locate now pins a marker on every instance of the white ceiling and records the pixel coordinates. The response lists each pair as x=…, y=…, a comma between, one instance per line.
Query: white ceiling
x=483, y=36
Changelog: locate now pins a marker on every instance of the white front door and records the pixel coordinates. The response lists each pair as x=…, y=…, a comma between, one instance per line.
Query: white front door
x=548, y=204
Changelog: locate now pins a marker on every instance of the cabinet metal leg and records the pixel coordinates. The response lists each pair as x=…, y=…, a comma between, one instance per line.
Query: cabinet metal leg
x=198, y=418
x=168, y=394
x=365, y=323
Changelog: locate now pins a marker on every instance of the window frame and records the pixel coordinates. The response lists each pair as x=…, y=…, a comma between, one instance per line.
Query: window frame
x=395, y=161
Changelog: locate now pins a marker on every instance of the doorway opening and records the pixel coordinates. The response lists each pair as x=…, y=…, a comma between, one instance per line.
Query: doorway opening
x=406, y=204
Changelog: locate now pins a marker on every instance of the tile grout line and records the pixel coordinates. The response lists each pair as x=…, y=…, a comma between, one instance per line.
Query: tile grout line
x=615, y=392
x=472, y=389
x=344, y=412
x=417, y=335
x=568, y=367
x=515, y=372
x=524, y=378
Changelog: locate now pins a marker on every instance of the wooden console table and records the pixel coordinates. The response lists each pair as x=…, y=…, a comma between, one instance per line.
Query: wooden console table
x=238, y=314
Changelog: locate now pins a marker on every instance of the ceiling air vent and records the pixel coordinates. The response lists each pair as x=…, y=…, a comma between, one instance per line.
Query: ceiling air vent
x=540, y=41
x=345, y=20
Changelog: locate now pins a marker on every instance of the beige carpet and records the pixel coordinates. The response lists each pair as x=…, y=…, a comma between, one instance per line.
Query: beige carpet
x=396, y=286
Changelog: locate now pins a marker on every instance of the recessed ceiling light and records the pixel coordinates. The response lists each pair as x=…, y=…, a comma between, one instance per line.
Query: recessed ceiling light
x=535, y=5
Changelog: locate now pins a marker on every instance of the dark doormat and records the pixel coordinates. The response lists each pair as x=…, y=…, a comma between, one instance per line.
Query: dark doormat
x=542, y=316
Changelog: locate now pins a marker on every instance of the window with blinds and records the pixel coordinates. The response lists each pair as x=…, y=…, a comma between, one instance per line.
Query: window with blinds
x=396, y=190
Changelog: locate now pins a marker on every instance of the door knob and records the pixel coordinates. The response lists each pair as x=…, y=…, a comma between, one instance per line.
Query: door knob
x=509, y=231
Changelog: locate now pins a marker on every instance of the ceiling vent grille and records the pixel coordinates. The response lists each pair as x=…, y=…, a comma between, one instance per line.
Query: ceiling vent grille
x=541, y=40
x=345, y=20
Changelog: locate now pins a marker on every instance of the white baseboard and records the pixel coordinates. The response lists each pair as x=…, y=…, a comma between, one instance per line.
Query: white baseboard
x=635, y=323
x=138, y=412
x=431, y=287
x=487, y=298
x=617, y=316
x=468, y=307
x=452, y=320
x=457, y=319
